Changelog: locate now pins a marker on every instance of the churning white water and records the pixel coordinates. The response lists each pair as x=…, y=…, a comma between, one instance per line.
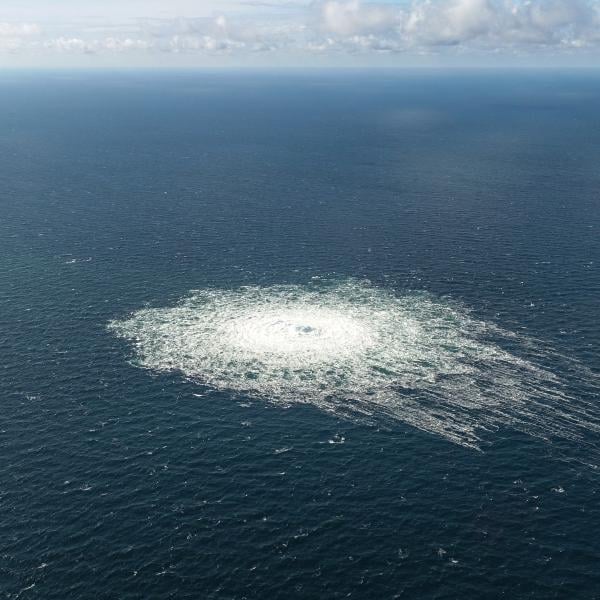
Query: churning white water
x=362, y=352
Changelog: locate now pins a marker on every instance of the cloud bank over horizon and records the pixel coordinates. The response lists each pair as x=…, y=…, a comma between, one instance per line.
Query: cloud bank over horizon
x=280, y=32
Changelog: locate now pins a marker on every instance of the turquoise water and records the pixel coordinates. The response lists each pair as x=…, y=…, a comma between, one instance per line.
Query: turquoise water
x=309, y=336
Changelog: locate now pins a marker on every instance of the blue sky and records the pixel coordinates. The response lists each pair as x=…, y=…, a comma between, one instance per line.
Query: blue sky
x=278, y=33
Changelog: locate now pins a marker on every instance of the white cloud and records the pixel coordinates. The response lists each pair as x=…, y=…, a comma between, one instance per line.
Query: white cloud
x=18, y=30
x=496, y=25
x=109, y=44
x=203, y=43
x=352, y=17
x=15, y=36
x=451, y=22
x=322, y=27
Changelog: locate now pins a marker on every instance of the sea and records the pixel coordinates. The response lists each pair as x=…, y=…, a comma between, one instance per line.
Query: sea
x=300, y=334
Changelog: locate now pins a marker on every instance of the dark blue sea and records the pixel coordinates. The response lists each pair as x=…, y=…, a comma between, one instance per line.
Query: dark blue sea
x=300, y=335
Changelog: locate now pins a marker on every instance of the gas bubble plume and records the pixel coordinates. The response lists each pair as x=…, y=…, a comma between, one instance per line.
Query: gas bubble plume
x=360, y=351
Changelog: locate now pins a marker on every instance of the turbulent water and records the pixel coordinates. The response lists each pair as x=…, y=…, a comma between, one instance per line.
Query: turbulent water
x=357, y=350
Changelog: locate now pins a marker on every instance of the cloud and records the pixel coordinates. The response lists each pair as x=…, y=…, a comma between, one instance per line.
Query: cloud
x=556, y=22
x=349, y=18
x=328, y=27
x=109, y=44
x=451, y=23
x=202, y=43
x=17, y=30
x=495, y=25
x=15, y=36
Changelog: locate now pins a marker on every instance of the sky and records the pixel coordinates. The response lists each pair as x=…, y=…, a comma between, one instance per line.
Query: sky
x=299, y=33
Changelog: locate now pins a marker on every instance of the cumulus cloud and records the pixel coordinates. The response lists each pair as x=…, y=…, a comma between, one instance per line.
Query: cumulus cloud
x=451, y=23
x=332, y=27
x=495, y=25
x=349, y=18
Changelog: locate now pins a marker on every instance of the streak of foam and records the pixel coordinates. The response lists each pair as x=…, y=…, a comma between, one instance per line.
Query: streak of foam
x=362, y=352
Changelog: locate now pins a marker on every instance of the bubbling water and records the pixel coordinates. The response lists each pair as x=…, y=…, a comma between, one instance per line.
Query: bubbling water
x=361, y=352
x=318, y=333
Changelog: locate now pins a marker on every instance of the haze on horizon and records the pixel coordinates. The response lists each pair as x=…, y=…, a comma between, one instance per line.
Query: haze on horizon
x=301, y=33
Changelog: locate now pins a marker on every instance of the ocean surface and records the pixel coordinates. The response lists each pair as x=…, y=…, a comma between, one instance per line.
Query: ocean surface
x=300, y=335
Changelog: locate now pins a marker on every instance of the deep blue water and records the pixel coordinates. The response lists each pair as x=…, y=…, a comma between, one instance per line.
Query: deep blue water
x=120, y=191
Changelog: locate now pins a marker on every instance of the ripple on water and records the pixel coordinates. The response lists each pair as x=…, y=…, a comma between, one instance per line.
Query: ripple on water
x=361, y=351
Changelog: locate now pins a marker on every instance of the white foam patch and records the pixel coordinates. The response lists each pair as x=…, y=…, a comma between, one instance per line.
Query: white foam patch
x=360, y=351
